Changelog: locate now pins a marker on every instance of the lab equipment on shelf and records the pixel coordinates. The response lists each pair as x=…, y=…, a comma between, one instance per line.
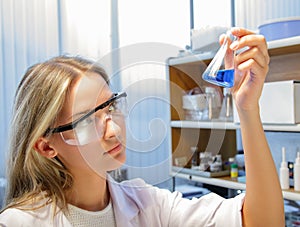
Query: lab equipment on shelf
x=284, y=172
x=206, y=39
x=234, y=171
x=195, y=158
x=216, y=165
x=194, y=103
x=297, y=173
x=213, y=106
x=226, y=113
x=205, y=160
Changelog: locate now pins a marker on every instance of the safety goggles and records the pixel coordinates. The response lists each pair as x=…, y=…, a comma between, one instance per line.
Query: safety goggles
x=91, y=126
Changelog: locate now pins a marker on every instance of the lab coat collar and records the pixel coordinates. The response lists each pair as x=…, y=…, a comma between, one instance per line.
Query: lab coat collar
x=124, y=205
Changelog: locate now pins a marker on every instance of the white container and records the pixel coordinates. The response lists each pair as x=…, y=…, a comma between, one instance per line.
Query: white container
x=194, y=106
x=279, y=103
x=297, y=173
x=194, y=102
x=206, y=39
x=284, y=172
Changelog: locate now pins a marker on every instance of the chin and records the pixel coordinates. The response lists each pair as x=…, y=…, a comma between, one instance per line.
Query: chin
x=117, y=162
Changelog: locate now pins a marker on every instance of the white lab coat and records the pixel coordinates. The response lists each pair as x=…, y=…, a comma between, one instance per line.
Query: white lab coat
x=136, y=203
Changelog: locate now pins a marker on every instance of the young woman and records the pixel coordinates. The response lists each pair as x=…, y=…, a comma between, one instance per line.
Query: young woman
x=68, y=131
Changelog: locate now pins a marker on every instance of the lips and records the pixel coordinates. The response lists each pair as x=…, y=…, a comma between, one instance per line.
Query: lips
x=115, y=150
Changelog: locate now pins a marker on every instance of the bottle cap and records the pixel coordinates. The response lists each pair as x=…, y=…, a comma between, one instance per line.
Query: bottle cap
x=231, y=159
x=283, y=162
x=298, y=158
x=283, y=154
x=193, y=149
x=233, y=165
x=202, y=155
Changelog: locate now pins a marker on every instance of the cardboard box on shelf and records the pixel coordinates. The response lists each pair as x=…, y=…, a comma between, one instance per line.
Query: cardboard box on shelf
x=279, y=103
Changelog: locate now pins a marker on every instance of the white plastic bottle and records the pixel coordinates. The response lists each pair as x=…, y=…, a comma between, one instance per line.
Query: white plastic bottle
x=297, y=173
x=284, y=172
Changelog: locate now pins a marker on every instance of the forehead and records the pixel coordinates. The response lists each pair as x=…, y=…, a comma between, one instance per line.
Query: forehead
x=90, y=88
x=86, y=93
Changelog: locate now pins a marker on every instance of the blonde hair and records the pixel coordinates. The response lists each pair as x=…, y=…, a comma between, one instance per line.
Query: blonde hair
x=38, y=101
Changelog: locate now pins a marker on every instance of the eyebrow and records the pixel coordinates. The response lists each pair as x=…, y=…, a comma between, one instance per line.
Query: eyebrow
x=79, y=114
x=88, y=110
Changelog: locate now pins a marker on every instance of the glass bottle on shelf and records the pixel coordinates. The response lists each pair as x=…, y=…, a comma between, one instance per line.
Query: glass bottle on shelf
x=226, y=113
x=195, y=158
x=216, y=165
x=205, y=160
x=213, y=104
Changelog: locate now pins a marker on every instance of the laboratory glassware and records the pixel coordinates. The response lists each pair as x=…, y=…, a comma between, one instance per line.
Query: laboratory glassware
x=220, y=71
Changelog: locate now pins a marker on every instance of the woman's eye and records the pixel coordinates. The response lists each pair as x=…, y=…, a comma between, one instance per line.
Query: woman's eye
x=87, y=121
x=112, y=107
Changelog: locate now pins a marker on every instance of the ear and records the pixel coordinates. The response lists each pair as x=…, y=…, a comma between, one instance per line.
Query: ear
x=43, y=147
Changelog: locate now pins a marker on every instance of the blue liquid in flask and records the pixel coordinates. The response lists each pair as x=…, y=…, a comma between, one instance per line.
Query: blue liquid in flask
x=224, y=78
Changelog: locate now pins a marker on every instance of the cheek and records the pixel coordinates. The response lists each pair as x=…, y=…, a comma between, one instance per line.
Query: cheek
x=72, y=159
x=89, y=157
x=122, y=136
x=93, y=155
x=70, y=156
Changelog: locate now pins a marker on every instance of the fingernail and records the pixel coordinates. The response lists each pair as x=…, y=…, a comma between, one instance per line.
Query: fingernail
x=235, y=29
x=234, y=45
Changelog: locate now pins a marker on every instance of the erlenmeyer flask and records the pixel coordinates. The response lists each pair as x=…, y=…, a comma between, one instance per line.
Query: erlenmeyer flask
x=220, y=71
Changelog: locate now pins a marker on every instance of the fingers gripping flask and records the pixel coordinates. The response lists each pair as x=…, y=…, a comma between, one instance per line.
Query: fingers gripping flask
x=220, y=71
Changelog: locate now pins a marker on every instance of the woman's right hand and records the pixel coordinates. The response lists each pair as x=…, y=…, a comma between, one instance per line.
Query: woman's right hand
x=251, y=67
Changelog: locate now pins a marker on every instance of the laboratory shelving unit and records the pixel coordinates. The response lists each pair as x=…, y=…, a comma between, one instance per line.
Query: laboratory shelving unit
x=184, y=73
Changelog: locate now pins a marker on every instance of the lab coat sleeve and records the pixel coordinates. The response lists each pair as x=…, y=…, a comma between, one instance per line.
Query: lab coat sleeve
x=139, y=204
x=208, y=210
x=16, y=217
x=13, y=217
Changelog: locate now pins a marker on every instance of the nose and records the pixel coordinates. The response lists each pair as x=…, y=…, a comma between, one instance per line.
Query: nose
x=112, y=128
